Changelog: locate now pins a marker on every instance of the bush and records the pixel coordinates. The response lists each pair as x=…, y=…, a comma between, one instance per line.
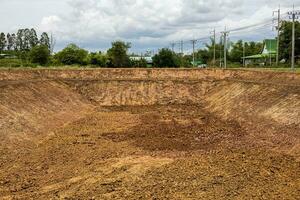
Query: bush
x=97, y=59
x=39, y=54
x=166, y=58
x=118, y=54
x=71, y=55
x=10, y=62
x=142, y=63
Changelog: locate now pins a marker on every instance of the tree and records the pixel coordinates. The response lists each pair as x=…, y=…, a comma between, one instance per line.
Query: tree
x=253, y=48
x=13, y=42
x=203, y=55
x=72, y=54
x=19, y=40
x=2, y=42
x=141, y=63
x=26, y=39
x=9, y=42
x=33, y=39
x=237, y=51
x=285, y=39
x=166, y=58
x=45, y=40
x=118, y=54
x=98, y=59
x=39, y=54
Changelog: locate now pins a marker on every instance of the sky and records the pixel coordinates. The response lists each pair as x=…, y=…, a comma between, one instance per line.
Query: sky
x=146, y=24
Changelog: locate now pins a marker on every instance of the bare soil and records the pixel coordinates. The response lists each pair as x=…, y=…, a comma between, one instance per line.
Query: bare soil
x=232, y=140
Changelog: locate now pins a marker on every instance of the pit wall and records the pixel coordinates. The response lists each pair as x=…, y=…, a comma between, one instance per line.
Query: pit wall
x=33, y=98
x=151, y=74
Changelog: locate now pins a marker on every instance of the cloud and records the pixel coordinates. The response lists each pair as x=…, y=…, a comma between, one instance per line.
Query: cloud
x=153, y=23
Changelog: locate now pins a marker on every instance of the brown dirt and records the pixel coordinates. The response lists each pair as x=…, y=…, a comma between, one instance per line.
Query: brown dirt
x=232, y=135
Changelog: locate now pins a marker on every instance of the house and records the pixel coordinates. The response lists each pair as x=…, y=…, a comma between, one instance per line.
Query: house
x=267, y=56
x=198, y=63
x=147, y=58
x=7, y=56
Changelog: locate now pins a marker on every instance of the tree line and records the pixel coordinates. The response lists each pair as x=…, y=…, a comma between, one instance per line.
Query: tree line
x=23, y=40
x=29, y=50
x=28, y=47
x=235, y=52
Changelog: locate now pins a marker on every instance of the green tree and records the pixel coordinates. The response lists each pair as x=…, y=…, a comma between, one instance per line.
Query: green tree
x=203, y=55
x=45, y=40
x=285, y=39
x=13, y=42
x=236, y=52
x=26, y=39
x=9, y=42
x=118, y=54
x=2, y=42
x=97, y=59
x=72, y=54
x=166, y=58
x=141, y=63
x=253, y=48
x=207, y=55
x=33, y=39
x=39, y=54
x=20, y=40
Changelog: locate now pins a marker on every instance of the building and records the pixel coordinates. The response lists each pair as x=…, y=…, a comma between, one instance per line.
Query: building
x=267, y=56
x=199, y=63
x=147, y=58
x=7, y=56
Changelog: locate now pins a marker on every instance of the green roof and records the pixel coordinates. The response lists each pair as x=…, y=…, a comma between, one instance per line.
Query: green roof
x=197, y=62
x=271, y=45
x=258, y=56
x=270, y=49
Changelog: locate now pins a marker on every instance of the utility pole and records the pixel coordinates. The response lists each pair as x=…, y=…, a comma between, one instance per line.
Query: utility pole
x=293, y=15
x=220, y=51
x=173, y=46
x=52, y=43
x=181, y=53
x=193, y=43
x=278, y=34
x=270, y=54
x=214, y=44
x=225, y=34
x=244, y=54
x=181, y=47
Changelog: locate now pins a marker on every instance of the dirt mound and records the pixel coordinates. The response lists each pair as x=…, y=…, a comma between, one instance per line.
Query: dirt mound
x=144, y=134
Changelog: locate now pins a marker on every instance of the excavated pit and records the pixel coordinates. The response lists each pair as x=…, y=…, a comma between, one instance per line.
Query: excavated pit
x=149, y=134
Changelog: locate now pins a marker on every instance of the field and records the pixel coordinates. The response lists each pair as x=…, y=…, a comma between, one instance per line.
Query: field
x=149, y=134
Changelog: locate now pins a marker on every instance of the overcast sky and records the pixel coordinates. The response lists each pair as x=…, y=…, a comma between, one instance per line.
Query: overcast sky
x=147, y=24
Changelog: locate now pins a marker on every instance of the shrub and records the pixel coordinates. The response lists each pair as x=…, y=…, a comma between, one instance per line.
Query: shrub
x=71, y=55
x=39, y=54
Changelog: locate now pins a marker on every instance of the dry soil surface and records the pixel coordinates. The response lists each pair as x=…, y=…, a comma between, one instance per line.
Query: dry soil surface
x=62, y=144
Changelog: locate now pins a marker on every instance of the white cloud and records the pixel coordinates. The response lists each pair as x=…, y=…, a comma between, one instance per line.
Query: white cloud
x=148, y=23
